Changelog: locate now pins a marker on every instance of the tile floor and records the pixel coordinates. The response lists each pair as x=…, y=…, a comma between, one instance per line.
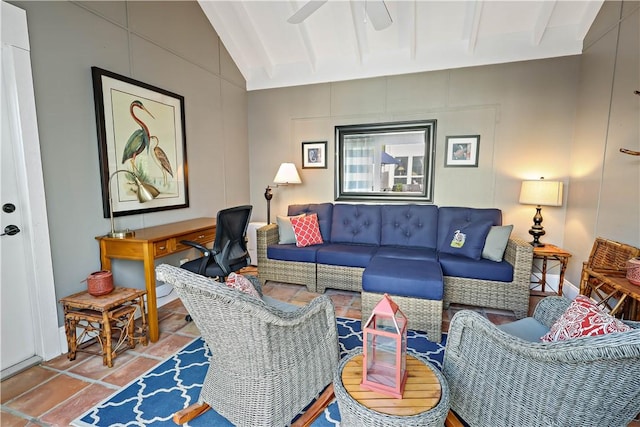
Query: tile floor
x=56, y=392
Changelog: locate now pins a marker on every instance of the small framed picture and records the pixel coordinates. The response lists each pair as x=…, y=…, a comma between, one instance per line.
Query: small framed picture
x=314, y=155
x=462, y=151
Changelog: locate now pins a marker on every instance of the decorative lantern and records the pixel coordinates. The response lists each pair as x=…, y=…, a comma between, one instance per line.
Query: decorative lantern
x=384, y=367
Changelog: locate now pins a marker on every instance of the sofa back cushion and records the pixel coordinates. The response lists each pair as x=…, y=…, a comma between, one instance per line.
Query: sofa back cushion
x=356, y=224
x=409, y=225
x=450, y=216
x=325, y=214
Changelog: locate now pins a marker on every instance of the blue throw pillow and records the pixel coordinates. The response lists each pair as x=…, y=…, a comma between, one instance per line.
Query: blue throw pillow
x=467, y=239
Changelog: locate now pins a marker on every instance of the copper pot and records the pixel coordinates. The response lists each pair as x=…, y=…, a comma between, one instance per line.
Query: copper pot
x=100, y=283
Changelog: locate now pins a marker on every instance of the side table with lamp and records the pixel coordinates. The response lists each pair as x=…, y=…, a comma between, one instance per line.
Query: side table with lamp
x=544, y=193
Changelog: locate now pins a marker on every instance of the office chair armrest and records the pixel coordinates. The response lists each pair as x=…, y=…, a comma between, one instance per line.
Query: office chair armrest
x=205, y=251
x=206, y=254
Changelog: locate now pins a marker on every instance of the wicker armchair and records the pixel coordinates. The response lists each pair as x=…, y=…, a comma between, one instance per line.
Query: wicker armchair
x=267, y=365
x=496, y=379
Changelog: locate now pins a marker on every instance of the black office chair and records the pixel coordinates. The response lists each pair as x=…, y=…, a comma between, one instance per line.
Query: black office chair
x=229, y=252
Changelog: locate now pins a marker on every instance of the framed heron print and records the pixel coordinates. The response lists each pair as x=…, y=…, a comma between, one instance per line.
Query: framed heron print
x=141, y=131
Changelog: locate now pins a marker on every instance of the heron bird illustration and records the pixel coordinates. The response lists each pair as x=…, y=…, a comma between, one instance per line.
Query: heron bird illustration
x=162, y=160
x=139, y=139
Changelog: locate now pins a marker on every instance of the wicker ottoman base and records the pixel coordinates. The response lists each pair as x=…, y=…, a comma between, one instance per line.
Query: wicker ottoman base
x=423, y=314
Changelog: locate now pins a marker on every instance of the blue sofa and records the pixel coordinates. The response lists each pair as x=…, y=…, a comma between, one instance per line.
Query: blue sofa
x=402, y=249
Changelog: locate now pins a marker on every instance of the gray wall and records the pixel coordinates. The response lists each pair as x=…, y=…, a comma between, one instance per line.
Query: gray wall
x=166, y=44
x=604, y=200
x=523, y=111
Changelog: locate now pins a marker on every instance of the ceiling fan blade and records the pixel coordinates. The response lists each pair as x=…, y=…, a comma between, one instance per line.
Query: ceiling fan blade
x=378, y=14
x=305, y=11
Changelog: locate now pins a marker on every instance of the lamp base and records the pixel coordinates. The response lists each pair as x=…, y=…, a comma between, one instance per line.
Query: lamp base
x=121, y=234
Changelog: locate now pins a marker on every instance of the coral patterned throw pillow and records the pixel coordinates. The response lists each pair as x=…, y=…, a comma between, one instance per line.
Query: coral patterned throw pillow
x=583, y=318
x=307, y=230
x=242, y=284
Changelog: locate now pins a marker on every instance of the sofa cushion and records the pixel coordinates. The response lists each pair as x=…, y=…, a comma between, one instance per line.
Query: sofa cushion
x=409, y=225
x=496, y=242
x=407, y=253
x=467, y=238
x=306, y=230
x=483, y=269
x=358, y=224
x=448, y=215
x=325, y=215
x=346, y=255
x=292, y=253
x=404, y=277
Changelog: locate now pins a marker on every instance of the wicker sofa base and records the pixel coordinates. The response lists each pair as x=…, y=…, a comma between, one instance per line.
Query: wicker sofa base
x=423, y=314
x=299, y=273
x=338, y=277
x=485, y=293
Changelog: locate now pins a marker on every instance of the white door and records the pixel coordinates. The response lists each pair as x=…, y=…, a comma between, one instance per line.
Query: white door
x=18, y=334
x=29, y=324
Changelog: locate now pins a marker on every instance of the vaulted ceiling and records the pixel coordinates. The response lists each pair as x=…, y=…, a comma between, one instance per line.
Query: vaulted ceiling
x=338, y=42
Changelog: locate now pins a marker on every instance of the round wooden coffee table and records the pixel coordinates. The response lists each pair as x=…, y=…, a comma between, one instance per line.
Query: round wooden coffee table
x=425, y=401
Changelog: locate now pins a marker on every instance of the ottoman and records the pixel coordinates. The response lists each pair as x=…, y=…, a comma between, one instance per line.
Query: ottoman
x=415, y=285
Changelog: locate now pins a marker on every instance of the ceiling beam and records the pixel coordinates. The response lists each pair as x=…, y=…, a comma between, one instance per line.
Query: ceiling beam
x=542, y=21
x=359, y=20
x=303, y=30
x=590, y=11
x=412, y=12
x=249, y=27
x=472, y=20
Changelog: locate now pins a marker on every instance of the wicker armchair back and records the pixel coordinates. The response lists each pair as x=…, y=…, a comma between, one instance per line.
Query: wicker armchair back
x=496, y=379
x=266, y=365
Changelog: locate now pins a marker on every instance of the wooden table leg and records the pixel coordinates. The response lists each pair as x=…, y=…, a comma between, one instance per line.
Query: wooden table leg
x=150, y=283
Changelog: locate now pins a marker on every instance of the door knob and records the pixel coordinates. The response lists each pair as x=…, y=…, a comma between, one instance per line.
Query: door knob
x=10, y=230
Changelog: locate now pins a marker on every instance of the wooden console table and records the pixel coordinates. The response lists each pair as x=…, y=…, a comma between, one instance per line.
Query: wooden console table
x=151, y=243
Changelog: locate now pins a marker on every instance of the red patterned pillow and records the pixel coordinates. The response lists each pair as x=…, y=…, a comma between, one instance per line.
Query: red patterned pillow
x=307, y=230
x=242, y=284
x=583, y=319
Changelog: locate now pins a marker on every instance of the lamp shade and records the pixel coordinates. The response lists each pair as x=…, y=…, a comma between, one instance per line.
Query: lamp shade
x=287, y=174
x=541, y=193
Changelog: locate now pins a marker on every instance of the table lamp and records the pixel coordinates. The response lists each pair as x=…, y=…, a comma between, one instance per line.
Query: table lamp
x=540, y=193
x=287, y=174
x=145, y=193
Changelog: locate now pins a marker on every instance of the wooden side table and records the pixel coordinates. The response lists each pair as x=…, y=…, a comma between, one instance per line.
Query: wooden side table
x=425, y=401
x=103, y=318
x=614, y=293
x=546, y=253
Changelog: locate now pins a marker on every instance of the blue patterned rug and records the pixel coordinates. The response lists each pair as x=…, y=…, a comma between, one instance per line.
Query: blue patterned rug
x=175, y=384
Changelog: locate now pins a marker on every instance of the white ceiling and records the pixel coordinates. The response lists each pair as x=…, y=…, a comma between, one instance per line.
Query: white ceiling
x=337, y=43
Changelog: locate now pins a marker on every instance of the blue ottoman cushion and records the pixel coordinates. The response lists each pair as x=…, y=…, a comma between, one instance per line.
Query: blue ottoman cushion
x=346, y=255
x=404, y=277
x=407, y=253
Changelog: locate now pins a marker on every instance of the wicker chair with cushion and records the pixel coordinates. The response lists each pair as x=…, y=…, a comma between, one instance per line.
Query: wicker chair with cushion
x=498, y=379
x=267, y=364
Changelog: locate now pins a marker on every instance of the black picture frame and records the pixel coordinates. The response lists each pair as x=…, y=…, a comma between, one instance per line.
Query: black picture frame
x=314, y=155
x=386, y=161
x=147, y=138
x=462, y=151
